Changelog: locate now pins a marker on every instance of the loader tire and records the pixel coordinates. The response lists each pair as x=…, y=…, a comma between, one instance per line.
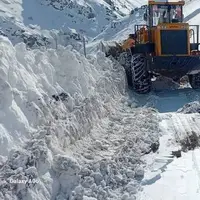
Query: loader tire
x=194, y=80
x=125, y=60
x=141, y=78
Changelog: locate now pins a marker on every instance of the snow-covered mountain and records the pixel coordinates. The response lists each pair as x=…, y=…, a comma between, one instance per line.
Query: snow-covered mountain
x=49, y=22
x=87, y=16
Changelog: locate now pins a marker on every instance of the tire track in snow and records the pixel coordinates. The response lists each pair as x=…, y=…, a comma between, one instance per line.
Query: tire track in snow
x=175, y=126
x=185, y=125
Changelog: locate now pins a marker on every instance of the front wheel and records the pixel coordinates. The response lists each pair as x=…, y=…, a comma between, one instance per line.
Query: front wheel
x=141, y=78
x=125, y=60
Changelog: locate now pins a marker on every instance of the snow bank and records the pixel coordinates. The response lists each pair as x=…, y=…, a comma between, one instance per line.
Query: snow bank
x=51, y=97
x=30, y=81
x=71, y=132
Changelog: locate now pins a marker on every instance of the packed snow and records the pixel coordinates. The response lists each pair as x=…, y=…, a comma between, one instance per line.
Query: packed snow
x=173, y=172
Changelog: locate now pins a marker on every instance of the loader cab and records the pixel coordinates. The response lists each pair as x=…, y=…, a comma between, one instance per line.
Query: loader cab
x=166, y=29
x=165, y=33
x=164, y=12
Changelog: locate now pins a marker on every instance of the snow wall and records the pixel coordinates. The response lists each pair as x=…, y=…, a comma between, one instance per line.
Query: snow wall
x=48, y=101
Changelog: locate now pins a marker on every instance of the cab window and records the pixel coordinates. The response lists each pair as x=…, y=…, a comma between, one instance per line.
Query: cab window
x=176, y=14
x=166, y=14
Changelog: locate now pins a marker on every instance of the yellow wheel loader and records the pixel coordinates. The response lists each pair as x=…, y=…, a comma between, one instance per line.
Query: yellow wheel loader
x=165, y=45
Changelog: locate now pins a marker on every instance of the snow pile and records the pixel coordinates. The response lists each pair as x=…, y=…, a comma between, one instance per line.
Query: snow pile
x=71, y=133
x=193, y=107
x=31, y=82
x=32, y=106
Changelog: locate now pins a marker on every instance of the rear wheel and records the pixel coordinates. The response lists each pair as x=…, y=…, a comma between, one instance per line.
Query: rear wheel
x=194, y=80
x=141, y=78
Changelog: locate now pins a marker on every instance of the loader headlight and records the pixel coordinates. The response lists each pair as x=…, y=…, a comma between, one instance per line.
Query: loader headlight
x=163, y=27
x=184, y=27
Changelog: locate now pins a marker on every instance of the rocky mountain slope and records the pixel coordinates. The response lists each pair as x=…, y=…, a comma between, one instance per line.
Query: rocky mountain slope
x=52, y=22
